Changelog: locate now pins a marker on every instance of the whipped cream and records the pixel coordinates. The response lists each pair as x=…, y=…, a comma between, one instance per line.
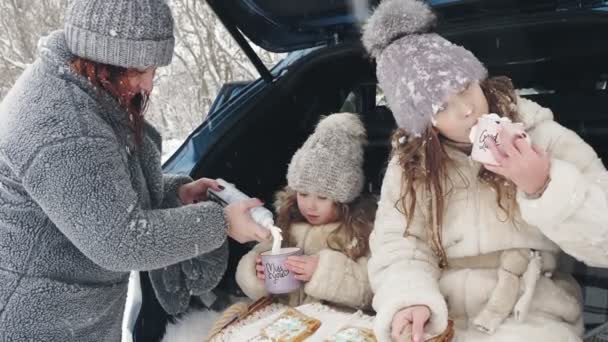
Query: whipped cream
x=277, y=238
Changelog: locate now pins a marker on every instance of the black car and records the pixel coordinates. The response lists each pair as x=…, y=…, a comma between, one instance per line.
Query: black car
x=555, y=51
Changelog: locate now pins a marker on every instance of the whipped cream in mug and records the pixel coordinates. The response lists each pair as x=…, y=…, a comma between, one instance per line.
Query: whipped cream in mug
x=277, y=238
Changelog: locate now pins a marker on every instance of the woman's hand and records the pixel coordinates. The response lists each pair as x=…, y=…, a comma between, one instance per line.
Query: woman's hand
x=259, y=268
x=303, y=266
x=524, y=164
x=196, y=191
x=241, y=227
x=416, y=316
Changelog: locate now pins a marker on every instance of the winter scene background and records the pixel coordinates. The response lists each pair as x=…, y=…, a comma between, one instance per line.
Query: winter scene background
x=205, y=57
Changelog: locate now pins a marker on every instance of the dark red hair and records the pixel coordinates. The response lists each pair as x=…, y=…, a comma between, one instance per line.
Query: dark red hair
x=115, y=80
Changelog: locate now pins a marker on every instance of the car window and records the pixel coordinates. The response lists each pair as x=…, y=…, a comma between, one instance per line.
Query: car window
x=206, y=57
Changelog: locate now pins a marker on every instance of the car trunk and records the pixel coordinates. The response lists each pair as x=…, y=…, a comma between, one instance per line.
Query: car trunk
x=559, y=58
x=565, y=71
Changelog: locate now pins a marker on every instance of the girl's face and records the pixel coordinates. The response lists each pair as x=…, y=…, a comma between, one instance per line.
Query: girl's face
x=461, y=112
x=316, y=209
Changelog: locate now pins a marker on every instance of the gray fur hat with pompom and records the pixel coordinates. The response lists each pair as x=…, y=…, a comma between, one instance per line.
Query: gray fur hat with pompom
x=330, y=163
x=417, y=69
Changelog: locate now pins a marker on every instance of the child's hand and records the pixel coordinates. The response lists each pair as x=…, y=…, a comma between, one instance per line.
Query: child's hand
x=525, y=165
x=416, y=316
x=259, y=268
x=303, y=266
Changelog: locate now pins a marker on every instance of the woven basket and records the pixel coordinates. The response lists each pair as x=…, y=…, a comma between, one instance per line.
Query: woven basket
x=235, y=313
x=242, y=310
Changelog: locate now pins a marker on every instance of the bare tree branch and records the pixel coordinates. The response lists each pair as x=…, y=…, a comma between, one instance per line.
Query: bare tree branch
x=16, y=64
x=206, y=57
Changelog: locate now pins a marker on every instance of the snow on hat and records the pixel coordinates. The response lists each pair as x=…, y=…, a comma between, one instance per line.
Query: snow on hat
x=125, y=33
x=330, y=163
x=417, y=69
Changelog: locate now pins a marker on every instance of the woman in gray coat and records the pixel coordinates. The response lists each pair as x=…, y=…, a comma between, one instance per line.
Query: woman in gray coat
x=83, y=200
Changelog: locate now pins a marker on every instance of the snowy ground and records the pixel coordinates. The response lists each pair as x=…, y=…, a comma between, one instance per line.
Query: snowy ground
x=189, y=328
x=169, y=147
x=132, y=307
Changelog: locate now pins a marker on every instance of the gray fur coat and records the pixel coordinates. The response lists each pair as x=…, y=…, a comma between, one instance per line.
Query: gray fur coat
x=81, y=205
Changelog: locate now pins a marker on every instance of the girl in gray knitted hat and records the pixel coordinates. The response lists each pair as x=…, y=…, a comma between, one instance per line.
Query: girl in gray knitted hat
x=457, y=238
x=322, y=212
x=83, y=199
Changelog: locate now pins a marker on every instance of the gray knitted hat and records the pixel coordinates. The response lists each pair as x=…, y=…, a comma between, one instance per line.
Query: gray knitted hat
x=125, y=33
x=330, y=163
x=417, y=69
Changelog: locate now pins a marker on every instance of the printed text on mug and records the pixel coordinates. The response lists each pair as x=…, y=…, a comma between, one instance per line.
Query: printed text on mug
x=275, y=272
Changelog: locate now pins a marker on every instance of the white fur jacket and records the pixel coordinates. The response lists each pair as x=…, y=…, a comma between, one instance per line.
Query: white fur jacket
x=571, y=216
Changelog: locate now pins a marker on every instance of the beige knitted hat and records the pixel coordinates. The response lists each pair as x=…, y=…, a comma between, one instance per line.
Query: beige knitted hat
x=330, y=163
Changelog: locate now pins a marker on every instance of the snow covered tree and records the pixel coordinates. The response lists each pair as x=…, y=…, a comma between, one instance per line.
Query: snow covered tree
x=205, y=57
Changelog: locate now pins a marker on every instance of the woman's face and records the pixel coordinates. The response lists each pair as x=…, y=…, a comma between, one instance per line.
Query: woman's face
x=461, y=112
x=317, y=210
x=141, y=80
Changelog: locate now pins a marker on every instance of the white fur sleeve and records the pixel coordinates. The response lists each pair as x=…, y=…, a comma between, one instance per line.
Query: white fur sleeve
x=573, y=210
x=246, y=275
x=403, y=270
x=341, y=280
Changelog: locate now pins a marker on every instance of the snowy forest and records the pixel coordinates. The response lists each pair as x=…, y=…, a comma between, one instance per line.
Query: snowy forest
x=205, y=57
